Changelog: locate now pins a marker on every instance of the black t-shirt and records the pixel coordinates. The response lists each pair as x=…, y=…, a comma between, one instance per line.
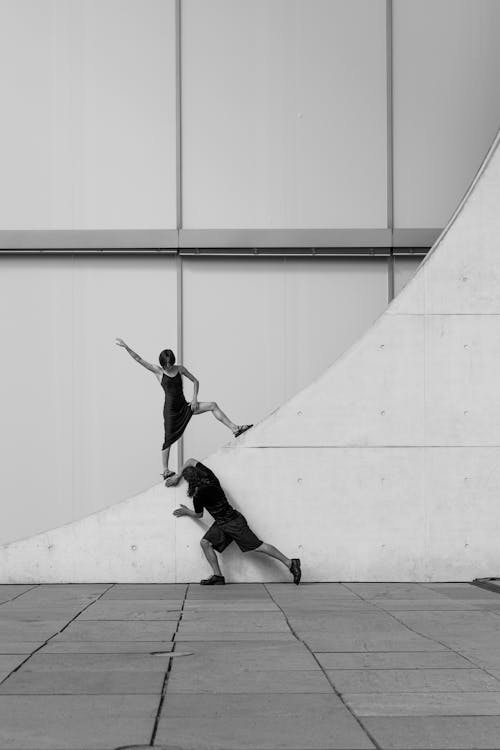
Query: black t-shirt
x=210, y=496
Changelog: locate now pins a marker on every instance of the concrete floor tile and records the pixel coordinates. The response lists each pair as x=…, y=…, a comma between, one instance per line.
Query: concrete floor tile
x=258, y=722
x=45, y=662
x=436, y=605
x=397, y=660
x=393, y=591
x=54, y=722
x=208, y=622
x=10, y=662
x=91, y=682
x=233, y=680
x=15, y=631
x=146, y=591
x=462, y=591
x=325, y=641
x=250, y=655
x=324, y=590
x=133, y=609
x=412, y=680
x=258, y=636
x=435, y=732
x=8, y=591
x=487, y=658
x=424, y=704
x=13, y=647
x=106, y=647
x=117, y=631
x=230, y=605
x=229, y=591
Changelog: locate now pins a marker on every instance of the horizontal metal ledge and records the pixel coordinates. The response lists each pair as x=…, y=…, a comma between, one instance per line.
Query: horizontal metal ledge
x=81, y=240
x=284, y=238
x=284, y=252
x=283, y=241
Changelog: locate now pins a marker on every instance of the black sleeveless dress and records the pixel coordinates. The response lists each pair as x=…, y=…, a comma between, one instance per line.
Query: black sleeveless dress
x=176, y=411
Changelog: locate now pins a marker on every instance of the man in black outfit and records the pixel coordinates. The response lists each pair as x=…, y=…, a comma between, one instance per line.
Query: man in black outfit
x=229, y=524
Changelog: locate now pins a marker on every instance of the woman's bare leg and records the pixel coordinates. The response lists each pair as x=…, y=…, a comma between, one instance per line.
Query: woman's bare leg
x=164, y=459
x=212, y=406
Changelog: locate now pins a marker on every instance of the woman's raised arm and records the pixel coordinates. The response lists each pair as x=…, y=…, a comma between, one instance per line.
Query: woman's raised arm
x=153, y=368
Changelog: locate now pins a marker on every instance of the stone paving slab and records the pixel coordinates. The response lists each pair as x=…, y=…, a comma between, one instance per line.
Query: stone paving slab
x=405, y=641
x=146, y=591
x=424, y=704
x=133, y=609
x=436, y=605
x=327, y=590
x=259, y=722
x=250, y=655
x=89, y=682
x=8, y=591
x=15, y=631
x=13, y=647
x=204, y=622
x=44, y=662
x=462, y=591
x=237, y=591
x=247, y=681
x=396, y=660
x=106, y=647
x=394, y=591
x=486, y=658
x=54, y=722
x=435, y=732
x=257, y=636
x=230, y=605
x=116, y=630
x=8, y=663
x=412, y=680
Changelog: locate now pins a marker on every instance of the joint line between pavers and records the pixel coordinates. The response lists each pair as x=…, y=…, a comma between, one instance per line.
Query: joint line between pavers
x=54, y=634
x=339, y=696
x=163, y=694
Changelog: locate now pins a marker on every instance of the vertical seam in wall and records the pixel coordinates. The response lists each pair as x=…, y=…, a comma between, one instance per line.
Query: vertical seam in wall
x=178, y=118
x=180, y=341
x=390, y=119
x=73, y=389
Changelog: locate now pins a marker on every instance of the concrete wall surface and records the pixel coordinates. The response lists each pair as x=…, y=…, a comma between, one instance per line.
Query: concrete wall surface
x=385, y=468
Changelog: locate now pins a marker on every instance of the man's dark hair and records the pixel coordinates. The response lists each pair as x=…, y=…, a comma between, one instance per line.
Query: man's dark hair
x=167, y=358
x=194, y=479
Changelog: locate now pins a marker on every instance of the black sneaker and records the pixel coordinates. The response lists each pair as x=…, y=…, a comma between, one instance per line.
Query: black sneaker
x=242, y=429
x=213, y=581
x=295, y=570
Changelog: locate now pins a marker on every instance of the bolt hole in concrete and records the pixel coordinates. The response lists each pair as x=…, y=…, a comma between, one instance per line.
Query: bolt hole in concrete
x=383, y=412
x=299, y=413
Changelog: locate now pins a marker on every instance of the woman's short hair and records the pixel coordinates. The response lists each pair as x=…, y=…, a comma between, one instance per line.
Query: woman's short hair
x=167, y=358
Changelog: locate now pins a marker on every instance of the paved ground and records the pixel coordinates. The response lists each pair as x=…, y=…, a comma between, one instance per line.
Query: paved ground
x=320, y=666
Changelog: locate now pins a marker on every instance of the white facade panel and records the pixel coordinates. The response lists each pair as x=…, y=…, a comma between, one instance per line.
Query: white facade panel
x=88, y=114
x=446, y=103
x=81, y=421
x=284, y=113
x=256, y=331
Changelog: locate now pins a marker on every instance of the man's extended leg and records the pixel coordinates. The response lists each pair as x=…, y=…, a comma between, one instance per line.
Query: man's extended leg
x=209, y=553
x=293, y=565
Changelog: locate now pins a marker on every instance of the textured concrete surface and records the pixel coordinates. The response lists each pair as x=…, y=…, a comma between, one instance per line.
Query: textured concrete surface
x=384, y=469
x=287, y=668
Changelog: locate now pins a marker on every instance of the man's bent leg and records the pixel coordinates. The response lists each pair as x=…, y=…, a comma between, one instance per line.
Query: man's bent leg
x=269, y=549
x=209, y=553
x=293, y=565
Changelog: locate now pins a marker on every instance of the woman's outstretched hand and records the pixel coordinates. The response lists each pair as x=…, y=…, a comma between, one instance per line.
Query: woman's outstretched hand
x=194, y=404
x=120, y=342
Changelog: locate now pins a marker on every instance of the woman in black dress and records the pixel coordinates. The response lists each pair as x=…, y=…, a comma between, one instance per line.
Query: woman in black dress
x=177, y=411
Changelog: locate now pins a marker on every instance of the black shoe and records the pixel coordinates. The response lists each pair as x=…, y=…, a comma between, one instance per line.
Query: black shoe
x=213, y=581
x=295, y=570
x=242, y=429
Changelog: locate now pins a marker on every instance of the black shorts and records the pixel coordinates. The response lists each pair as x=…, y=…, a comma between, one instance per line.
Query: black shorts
x=220, y=535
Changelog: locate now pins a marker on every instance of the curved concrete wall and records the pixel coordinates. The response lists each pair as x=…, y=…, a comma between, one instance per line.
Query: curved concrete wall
x=386, y=468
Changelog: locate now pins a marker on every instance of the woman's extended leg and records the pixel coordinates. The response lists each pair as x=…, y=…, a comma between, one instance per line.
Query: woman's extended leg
x=204, y=406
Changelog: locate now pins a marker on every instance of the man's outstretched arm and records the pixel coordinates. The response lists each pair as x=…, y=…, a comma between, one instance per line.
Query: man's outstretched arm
x=185, y=511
